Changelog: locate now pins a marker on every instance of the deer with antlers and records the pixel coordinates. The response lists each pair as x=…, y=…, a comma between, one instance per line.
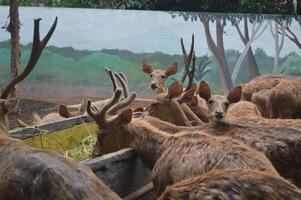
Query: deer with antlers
x=159, y=149
x=281, y=144
x=29, y=173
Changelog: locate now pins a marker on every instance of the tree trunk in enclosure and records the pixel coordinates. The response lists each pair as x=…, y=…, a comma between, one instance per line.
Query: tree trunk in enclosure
x=218, y=52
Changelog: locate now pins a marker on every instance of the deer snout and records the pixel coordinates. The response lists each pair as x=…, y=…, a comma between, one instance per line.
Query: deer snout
x=154, y=86
x=219, y=115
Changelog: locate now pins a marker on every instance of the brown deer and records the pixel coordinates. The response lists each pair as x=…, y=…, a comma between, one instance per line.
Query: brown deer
x=236, y=184
x=281, y=143
x=218, y=104
x=265, y=81
x=158, y=76
x=31, y=174
x=285, y=100
x=173, y=157
x=245, y=112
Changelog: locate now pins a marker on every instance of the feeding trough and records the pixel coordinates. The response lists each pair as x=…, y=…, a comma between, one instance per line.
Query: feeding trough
x=122, y=171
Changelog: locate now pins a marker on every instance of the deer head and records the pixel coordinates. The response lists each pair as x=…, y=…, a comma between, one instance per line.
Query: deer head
x=218, y=104
x=6, y=102
x=111, y=124
x=157, y=76
x=167, y=106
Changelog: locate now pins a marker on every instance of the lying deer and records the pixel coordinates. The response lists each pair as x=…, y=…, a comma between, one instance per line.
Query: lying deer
x=285, y=100
x=173, y=158
x=247, y=112
x=158, y=76
x=31, y=174
x=242, y=184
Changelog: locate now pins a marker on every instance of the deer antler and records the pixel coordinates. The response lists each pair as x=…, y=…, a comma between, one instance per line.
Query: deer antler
x=124, y=83
x=110, y=73
x=100, y=115
x=37, y=48
x=187, y=58
x=122, y=104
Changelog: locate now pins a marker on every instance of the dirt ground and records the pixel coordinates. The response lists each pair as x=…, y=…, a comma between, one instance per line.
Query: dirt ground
x=29, y=105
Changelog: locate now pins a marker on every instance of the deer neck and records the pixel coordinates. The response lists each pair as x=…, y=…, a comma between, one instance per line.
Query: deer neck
x=148, y=141
x=4, y=129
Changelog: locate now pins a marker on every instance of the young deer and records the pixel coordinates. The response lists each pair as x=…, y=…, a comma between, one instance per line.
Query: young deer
x=173, y=157
x=158, y=76
x=242, y=184
x=31, y=174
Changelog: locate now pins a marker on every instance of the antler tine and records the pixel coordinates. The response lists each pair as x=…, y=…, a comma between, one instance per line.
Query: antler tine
x=110, y=73
x=100, y=115
x=191, y=72
x=123, y=83
x=122, y=104
x=183, y=48
x=191, y=49
x=37, y=48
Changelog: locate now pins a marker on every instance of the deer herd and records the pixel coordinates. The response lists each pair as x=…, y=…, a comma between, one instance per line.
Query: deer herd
x=199, y=145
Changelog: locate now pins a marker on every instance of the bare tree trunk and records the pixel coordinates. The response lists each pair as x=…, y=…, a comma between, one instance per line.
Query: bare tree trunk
x=252, y=65
x=13, y=28
x=218, y=52
x=279, y=29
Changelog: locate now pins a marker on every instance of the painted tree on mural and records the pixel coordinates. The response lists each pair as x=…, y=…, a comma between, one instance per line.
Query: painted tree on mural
x=216, y=45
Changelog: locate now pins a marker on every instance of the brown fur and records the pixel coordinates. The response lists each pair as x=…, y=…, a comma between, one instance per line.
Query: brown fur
x=157, y=76
x=29, y=173
x=265, y=81
x=261, y=99
x=247, y=112
x=218, y=104
x=233, y=184
x=175, y=158
x=285, y=100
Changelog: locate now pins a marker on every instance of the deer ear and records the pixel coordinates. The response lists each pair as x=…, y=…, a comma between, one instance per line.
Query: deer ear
x=146, y=67
x=10, y=104
x=204, y=90
x=175, y=90
x=64, y=112
x=235, y=95
x=125, y=117
x=83, y=107
x=172, y=69
x=188, y=95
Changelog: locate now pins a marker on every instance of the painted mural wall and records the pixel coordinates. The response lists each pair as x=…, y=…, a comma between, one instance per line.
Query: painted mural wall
x=88, y=40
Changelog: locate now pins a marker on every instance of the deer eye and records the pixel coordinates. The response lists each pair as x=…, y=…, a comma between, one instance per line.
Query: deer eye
x=163, y=77
x=151, y=75
x=227, y=104
x=210, y=101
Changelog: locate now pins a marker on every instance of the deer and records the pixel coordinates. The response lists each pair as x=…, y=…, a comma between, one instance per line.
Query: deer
x=158, y=76
x=262, y=82
x=172, y=158
x=247, y=112
x=285, y=100
x=281, y=144
x=31, y=174
x=242, y=184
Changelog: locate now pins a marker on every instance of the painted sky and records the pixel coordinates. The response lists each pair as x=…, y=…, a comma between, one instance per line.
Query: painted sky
x=137, y=31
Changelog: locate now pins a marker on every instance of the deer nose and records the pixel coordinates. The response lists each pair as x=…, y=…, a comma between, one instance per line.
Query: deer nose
x=154, y=86
x=219, y=115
